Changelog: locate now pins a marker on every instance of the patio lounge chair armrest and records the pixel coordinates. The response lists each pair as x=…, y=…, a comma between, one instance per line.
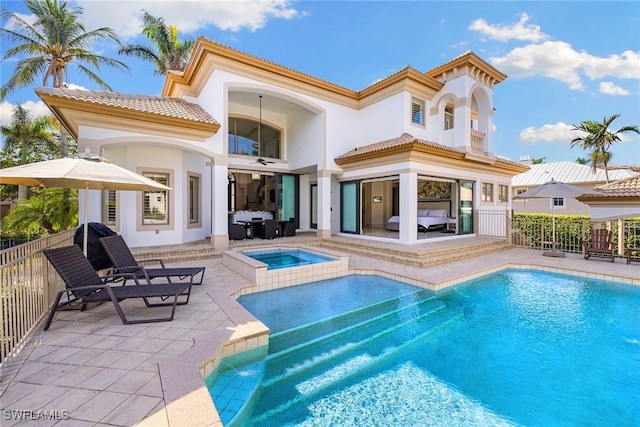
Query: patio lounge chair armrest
x=151, y=261
x=116, y=275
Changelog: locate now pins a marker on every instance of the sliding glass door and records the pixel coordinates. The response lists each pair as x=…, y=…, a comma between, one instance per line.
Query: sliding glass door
x=314, y=206
x=287, y=197
x=465, y=218
x=350, y=207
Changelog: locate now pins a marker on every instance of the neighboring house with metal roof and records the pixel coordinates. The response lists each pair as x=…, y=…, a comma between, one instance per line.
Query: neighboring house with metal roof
x=235, y=132
x=616, y=200
x=567, y=172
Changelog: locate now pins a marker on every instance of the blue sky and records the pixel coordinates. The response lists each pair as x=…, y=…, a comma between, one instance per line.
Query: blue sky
x=566, y=61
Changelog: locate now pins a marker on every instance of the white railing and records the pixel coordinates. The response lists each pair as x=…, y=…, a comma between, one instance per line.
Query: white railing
x=477, y=142
x=493, y=223
x=25, y=295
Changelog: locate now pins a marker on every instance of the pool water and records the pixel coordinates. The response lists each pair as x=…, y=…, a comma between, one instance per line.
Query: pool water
x=285, y=257
x=512, y=348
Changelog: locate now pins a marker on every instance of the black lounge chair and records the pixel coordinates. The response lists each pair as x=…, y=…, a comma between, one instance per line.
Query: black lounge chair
x=124, y=262
x=84, y=286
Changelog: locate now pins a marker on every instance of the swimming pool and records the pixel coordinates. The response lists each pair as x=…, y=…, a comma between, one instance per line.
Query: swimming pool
x=513, y=348
x=286, y=257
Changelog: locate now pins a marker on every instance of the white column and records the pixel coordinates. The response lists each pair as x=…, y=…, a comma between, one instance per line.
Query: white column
x=408, y=207
x=305, y=202
x=462, y=123
x=219, y=213
x=324, y=204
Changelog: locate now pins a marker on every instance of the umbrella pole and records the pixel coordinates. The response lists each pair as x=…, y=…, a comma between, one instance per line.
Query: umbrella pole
x=86, y=216
x=553, y=252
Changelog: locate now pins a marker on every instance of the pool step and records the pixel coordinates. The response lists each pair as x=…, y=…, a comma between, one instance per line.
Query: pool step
x=338, y=356
x=332, y=348
x=290, y=339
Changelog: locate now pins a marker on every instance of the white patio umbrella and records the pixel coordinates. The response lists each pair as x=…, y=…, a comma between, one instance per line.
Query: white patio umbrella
x=550, y=190
x=84, y=171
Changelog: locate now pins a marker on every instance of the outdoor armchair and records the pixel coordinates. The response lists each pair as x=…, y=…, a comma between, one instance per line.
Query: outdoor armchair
x=268, y=229
x=124, y=262
x=601, y=243
x=83, y=286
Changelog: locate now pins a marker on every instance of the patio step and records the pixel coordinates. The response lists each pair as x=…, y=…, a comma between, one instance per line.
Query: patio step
x=434, y=255
x=177, y=253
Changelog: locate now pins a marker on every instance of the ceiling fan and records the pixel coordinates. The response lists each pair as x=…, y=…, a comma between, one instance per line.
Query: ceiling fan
x=261, y=160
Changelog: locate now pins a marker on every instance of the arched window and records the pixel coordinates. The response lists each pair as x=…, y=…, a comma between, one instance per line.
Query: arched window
x=448, y=117
x=243, y=138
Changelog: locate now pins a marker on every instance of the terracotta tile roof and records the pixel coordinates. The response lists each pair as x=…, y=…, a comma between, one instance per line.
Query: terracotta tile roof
x=634, y=168
x=628, y=187
x=404, y=139
x=162, y=106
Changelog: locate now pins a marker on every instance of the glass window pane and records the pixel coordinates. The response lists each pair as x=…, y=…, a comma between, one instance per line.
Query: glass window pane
x=243, y=138
x=156, y=203
x=109, y=207
x=349, y=223
x=194, y=199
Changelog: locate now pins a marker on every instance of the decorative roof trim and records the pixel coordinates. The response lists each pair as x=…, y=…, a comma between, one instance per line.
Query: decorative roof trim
x=411, y=146
x=479, y=67
x=191, y=81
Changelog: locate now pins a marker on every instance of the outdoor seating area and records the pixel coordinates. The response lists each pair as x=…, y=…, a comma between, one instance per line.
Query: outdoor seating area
x=123, y=262
x=263, y=228
x=84, y=286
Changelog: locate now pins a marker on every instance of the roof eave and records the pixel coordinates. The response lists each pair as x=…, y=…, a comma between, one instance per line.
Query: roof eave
x=59, y=105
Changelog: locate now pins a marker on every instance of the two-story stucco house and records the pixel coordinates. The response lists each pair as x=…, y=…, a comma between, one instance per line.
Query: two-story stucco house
x=234, y=133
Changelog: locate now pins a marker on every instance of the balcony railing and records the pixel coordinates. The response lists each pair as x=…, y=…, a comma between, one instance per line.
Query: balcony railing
x=477, y=141
x=27, y=289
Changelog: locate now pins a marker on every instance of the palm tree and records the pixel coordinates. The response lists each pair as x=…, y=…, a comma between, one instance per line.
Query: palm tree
x=582, y=161
x=538, y=161
x=26, y=139
x=55, y=39
x=599, y=139
x=169, y=54
x=41, y=214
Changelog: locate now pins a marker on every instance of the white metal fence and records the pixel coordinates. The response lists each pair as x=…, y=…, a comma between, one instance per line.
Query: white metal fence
x=27, y=289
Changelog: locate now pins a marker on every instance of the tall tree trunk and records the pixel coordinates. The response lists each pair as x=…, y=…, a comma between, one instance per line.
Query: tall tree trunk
x=64, y=142
x=23, y=192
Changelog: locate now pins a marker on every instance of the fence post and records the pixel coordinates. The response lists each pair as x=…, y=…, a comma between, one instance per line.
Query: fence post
x=45, y=276
x=621, y=244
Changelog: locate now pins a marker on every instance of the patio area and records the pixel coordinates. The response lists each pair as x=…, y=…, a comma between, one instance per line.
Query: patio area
x=89, y=369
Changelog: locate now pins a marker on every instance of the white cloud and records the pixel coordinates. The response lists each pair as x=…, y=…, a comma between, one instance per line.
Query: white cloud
x=6, y=109
x=557, y=133
x=608, y=88
x=518, y=31
x=559, y=60
x=624, y=66
x=75, y=87
x=125, y=18
x=35, y=109
x=556, y=60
